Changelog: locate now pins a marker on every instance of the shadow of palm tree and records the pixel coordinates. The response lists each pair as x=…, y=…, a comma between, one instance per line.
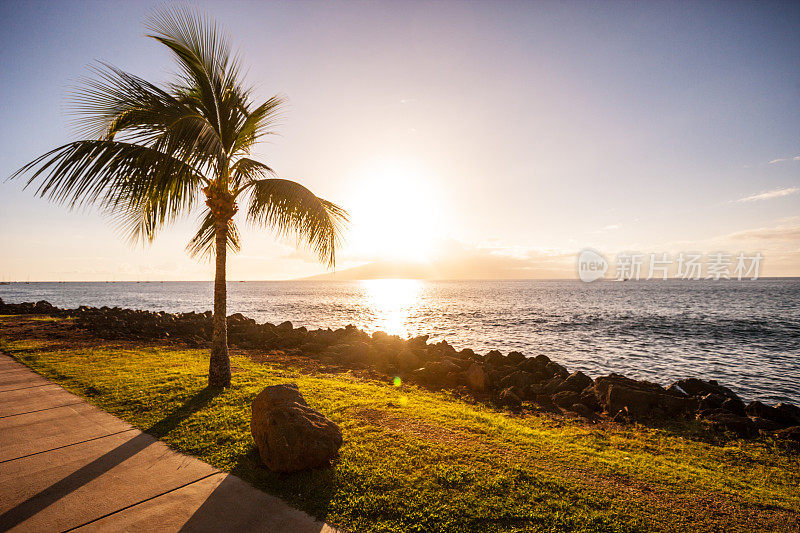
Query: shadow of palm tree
x=106, y=462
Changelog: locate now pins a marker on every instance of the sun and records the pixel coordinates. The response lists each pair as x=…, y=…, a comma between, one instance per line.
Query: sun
x=394, y=215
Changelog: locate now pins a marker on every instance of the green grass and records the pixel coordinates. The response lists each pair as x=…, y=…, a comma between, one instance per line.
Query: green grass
x=413, y=460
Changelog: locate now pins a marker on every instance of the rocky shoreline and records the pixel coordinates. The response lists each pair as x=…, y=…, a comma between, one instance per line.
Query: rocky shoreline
x=503, y=380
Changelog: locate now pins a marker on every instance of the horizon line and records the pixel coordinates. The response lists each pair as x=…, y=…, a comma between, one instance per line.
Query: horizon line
x=306, y=280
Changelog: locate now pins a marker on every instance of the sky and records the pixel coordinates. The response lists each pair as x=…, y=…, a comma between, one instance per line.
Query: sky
x=479, y=140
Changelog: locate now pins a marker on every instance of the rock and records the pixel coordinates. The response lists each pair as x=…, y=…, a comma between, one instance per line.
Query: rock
x=443, y=349
x=788, y=413
x=791, y=434
x=419, y=342
x=552, y=385
x=238, y=318
x=495, y=358
x=43, y=307
x=641, y=399
x=476, y=378
x=515, y=358
x=576, y=382
x=532, y=365
x=589, y=399
x=353, y=352
x=554, y=369
x=622, y=417
x=764, y=424
x=711, y=400
x=443, y=367
x=462, y=364
x=519, y=379
x=312, y=348
x=676, y=390
x=781, y=415
x=407, y=360
x=535, y=390
x=699, y=388
x=381, y=336
x=285, y=326
x=720, y=419
x=545, y=402
x=438, y=374
x=735, y=406
x=467, y=353
x=583, y=411
x=290, y=435
x=761, y=410
x=566, y=398
x=509, y=398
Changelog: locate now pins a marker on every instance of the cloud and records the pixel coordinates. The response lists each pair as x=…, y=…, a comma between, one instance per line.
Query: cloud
x=775, y=233
x=769, y=195
x=781, y=160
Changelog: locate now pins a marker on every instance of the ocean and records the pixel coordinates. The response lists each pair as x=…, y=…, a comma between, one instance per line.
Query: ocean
x=744, y=334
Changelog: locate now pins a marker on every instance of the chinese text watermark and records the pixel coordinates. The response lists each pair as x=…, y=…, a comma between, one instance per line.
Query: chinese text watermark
x=592, y=265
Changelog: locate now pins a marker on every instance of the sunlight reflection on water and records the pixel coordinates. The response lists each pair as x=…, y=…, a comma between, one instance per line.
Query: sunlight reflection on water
x=390, y=303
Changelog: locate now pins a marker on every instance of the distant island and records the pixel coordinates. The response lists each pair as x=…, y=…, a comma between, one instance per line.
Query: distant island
x=438, y=270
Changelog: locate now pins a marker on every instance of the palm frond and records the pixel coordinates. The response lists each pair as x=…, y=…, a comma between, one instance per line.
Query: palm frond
x=202, y=245
x=247, y=170
x=208, y=67
x=291, y=209
x=124, y=179
x=117, y=105
x=257, y=124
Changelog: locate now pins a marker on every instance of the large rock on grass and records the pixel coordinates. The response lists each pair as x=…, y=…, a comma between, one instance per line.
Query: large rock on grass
x=289, y=434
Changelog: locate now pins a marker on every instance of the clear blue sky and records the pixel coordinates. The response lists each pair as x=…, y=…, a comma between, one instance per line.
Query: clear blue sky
x=509, y=134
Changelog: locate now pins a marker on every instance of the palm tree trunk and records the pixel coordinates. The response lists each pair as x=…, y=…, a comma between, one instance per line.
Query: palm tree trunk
x=219, y=371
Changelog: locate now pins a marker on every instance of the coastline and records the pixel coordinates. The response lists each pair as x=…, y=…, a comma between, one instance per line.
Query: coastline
x=740, y=335
x=510, y=381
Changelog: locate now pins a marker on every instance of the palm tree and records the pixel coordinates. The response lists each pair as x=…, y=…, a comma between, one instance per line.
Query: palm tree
x=149, y=152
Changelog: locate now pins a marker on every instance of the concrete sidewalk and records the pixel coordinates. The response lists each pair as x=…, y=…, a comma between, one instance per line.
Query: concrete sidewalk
x=66, y=465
